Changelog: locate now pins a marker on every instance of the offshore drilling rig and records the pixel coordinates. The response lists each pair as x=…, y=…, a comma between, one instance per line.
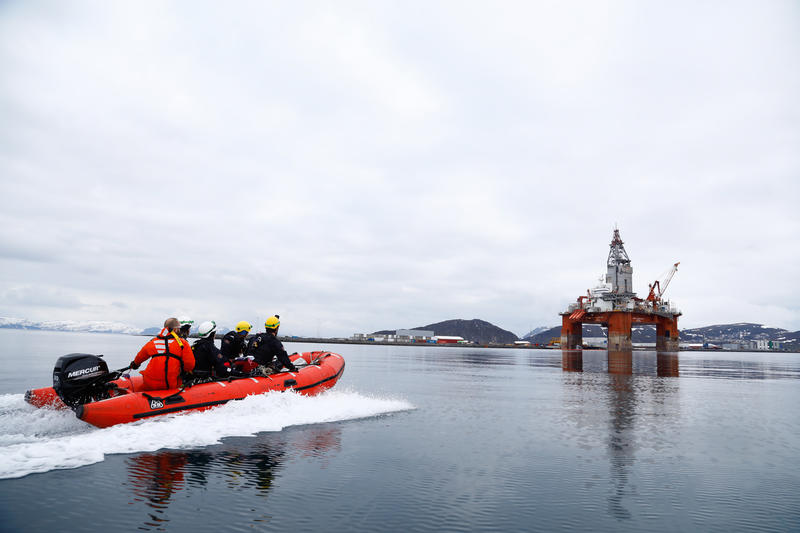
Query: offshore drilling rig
x=612, y=303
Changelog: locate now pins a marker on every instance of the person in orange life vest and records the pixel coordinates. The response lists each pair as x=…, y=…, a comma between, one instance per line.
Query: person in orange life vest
x=169, y=355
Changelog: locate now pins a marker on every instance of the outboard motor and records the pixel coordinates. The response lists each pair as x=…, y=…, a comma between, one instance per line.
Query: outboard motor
x=79, y=378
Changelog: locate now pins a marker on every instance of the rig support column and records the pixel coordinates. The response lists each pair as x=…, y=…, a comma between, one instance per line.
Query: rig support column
x=619, y=331
x=571, y=333
x=667, y=334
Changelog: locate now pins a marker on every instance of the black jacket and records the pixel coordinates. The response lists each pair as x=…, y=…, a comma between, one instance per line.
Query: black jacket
x=232, y=345
x=207, y=357
x=265, y=346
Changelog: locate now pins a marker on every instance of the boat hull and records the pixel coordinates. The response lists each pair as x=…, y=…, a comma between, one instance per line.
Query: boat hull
x=319, y=371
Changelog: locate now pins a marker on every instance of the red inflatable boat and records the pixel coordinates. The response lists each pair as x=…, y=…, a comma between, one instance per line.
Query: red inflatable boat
x=102, y=398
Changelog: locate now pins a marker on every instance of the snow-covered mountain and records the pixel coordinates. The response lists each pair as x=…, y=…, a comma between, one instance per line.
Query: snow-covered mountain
x=92, y=326
x=733, y=332
x=221, y=329
x=536, y=331
x=721, y=333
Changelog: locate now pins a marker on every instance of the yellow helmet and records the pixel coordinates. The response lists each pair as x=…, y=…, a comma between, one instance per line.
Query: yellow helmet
x=272, y=322
x=243, y=326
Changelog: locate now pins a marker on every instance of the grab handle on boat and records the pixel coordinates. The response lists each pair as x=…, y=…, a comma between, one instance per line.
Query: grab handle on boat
x=116, y=374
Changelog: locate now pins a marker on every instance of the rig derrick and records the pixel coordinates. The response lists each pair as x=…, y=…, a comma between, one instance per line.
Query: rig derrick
x=613, y=304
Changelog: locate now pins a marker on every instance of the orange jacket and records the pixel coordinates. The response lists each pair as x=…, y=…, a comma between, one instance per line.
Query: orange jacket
x=169, y=356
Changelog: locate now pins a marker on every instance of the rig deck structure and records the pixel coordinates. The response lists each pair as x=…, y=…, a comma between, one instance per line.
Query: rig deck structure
x=613, y=304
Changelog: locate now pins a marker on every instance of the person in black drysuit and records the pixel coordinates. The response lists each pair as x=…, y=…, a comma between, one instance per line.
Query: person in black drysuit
x=265, y=347
x=209, y=361
x=233, y=342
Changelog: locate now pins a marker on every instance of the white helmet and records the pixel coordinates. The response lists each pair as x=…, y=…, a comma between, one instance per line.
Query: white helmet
x=207, y=328
x=185, y=321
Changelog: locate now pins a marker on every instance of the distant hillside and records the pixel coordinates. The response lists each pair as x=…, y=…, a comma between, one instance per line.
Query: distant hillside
x=792, y=340
x=733, y=332
x=716, y=334
x=91, y=326
x=475, y=330
x=536, y=331
x=588, y=330
x=742, y=331
x=221, y=329
x=543, y=337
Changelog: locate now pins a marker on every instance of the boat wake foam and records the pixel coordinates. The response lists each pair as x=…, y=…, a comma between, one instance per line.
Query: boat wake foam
x=39, y=440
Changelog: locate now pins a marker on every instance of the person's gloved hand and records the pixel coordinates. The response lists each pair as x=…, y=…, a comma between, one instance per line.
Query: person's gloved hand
x=134, y=365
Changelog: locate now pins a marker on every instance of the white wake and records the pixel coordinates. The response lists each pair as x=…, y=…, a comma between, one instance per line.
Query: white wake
x=39, y=440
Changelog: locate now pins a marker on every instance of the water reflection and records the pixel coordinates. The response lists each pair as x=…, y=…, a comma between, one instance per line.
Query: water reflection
x=667, y=364
x=725, y=365
x=247, y=466
x=621, y=436
x=572, y=360
x=732, y=365
x=467, y=357
x=634, y=404
x=155, y=478
x=621, y=362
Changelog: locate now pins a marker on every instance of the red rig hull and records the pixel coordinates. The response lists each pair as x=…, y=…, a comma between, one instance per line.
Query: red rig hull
x=133, y=404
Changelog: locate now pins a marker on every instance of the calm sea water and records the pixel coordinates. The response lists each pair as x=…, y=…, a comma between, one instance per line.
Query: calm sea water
x=421, y=439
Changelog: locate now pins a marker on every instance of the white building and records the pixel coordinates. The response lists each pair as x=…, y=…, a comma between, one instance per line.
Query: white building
x=732, y=346
x=595, y=342
x=415, y=335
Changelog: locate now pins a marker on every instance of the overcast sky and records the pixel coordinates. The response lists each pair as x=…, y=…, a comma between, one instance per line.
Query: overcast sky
x=356, y=166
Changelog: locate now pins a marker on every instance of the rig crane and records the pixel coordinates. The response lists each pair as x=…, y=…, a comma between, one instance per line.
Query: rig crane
x=658, y=288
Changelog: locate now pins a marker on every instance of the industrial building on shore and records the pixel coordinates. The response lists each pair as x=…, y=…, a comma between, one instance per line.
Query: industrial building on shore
x=409, y=336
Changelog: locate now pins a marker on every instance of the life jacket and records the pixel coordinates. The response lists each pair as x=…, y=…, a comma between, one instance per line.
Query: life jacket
x=159, y=346
x=166, y=354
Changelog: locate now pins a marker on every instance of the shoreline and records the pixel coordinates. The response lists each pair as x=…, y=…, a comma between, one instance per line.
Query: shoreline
x=318, y=340
x=334, y=340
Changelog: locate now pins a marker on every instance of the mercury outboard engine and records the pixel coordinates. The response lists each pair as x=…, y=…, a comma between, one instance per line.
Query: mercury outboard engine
x=79, y=378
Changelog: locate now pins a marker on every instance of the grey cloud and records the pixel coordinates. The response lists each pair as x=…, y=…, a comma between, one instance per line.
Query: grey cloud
x=360, y=168
x=22, y=252
x=45, y=297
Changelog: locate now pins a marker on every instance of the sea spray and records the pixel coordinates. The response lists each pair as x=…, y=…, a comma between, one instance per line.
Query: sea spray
x=39, y=440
